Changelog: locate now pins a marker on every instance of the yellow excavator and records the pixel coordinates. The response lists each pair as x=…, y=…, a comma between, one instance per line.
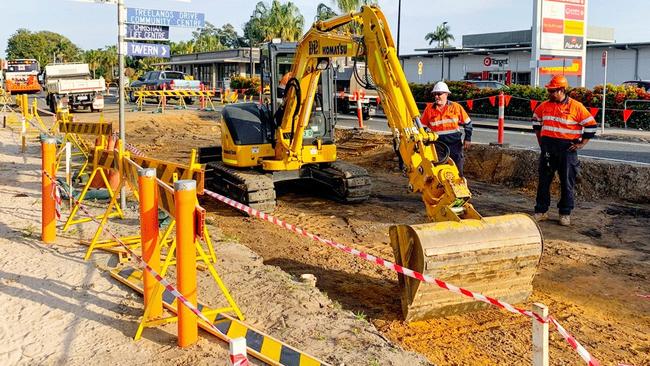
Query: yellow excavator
x=291, y=137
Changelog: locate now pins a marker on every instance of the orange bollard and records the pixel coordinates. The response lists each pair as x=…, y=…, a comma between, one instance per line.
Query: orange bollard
x=357, y=96
x=164, y=98
x=149, y=235
x=501, y=120
x=48, y=211
x=185, y=203
x=202, y=98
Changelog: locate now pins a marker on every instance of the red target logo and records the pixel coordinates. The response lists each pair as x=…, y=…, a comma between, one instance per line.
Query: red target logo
x=487, y=61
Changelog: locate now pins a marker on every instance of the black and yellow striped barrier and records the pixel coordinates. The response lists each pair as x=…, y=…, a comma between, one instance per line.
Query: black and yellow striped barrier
x=260, y=345
x=86, y=128
x=173, y=93
x=169, y=172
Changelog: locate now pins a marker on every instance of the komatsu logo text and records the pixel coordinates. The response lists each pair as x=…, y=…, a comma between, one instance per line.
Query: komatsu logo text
x=339, y=49
x=335, y=50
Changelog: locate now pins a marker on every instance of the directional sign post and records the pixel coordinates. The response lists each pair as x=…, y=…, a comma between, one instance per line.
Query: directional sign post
x=147, y=50
x=147, y=32
x=170, y=18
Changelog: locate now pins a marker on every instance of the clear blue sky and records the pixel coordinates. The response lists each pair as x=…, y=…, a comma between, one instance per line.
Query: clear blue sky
x=94, y=25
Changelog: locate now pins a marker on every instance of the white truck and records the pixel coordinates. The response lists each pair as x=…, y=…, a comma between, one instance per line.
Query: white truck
x=73, y=81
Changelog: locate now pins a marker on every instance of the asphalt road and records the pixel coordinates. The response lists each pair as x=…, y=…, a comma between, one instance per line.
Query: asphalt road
x=621, y=151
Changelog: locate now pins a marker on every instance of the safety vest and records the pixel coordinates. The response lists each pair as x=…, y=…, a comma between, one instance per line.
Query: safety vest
x=446, y=121
x=567, y=120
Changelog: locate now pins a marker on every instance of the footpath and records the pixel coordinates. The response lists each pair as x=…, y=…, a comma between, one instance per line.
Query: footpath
x=611, y=133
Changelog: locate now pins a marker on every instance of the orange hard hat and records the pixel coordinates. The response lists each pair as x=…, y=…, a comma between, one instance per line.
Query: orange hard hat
x=557, y=82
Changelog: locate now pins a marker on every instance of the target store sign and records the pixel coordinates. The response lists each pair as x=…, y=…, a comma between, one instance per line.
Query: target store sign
x=496, y=62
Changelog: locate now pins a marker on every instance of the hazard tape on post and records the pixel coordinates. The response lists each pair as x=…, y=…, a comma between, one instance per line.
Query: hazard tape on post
x=584, y=354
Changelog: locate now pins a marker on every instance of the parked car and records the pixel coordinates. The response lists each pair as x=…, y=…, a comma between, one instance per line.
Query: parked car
x=644, y=84
x=486, y=84
x=170, y=80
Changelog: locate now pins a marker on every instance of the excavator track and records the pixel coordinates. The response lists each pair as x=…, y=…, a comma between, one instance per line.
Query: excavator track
x=349, y=183
x=249, y=187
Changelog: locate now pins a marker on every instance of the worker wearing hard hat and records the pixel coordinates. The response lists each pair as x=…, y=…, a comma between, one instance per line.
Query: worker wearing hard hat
x=446, y=118
x=563, y=126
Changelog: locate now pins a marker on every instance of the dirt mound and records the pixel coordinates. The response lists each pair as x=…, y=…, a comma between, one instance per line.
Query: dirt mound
x=597, y=179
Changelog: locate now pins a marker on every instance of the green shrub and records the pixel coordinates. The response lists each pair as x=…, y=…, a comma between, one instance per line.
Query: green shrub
x=251, y=85
x=522, y=94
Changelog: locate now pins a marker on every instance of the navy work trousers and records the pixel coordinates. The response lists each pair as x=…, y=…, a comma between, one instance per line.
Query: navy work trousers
x=556, y=157
x=455, y=144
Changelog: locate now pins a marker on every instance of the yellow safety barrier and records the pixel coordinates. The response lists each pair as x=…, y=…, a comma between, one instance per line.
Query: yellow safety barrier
x=167, y=173
x=6, y=101
x=103, y=161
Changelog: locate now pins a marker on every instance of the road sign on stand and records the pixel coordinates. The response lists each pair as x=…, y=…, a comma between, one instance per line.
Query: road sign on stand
x=144, y=32
x=147, y=50
x=170, y=18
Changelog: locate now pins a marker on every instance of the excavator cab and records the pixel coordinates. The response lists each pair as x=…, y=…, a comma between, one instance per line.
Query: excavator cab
x=276, y=61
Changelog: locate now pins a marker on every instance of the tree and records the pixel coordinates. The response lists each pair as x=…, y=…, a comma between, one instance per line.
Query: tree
x=229, y=38
x=440, y=35
x=93, y=59
x=42, y=46
x=274, y=20
x=182, y=47
x=206, y=39
x=324, y=11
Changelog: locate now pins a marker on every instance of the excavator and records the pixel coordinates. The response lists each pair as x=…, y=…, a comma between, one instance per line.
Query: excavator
x=291, y=137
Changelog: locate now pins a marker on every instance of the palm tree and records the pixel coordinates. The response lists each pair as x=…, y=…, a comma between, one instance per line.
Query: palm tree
x=323, y=11
x=440, y=35
x=274, y=20
x=93, y=59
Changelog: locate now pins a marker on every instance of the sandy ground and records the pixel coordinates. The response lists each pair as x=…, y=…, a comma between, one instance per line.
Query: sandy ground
x=591, y=275
x=62, y=310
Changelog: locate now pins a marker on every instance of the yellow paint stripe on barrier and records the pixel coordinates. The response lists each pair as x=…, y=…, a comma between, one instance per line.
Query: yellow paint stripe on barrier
x=256, y=341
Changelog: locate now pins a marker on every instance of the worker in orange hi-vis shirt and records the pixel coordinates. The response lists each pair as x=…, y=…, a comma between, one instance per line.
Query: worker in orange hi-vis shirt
x=446, y=118
x=563, y=126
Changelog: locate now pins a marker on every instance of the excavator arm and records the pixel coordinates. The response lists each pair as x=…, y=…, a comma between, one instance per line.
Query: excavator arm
x=496, y=255
x=444, y=192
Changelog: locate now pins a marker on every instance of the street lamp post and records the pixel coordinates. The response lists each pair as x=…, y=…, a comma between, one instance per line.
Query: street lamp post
x=250, y=45
x=399, y=19
x=442, y=69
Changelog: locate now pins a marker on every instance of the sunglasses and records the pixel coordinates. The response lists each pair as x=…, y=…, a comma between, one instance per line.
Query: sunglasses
x=551, y=91
x=438, y=94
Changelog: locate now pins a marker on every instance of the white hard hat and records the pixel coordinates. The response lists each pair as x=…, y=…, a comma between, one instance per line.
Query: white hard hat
x=441, y=87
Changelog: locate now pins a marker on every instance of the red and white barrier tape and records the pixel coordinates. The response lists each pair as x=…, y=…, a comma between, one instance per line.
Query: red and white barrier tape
x=405, y=271
x=133, y=149
x=238, y=352
x=408, y=272
x=168, y=286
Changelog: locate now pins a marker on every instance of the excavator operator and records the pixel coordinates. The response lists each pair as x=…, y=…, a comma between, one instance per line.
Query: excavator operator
x=445, y=118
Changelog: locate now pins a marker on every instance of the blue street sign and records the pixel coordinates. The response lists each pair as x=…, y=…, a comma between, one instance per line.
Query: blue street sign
x=147, y=32
x=147, y=50
x=171, y=18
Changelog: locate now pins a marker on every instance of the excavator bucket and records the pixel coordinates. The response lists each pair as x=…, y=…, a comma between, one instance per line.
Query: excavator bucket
x=495, y=256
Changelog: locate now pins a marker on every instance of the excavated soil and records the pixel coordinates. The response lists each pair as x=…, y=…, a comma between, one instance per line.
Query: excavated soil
x=594, y=276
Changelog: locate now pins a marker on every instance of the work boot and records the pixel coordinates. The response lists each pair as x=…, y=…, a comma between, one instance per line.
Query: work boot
x=565, y=220
x=540, y=216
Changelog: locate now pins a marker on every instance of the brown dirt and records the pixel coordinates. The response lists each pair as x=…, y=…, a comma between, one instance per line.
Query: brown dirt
x=590, y=276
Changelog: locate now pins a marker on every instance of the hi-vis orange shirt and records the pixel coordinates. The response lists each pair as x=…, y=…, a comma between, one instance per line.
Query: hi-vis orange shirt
x=567, y=120
x=448, y=120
